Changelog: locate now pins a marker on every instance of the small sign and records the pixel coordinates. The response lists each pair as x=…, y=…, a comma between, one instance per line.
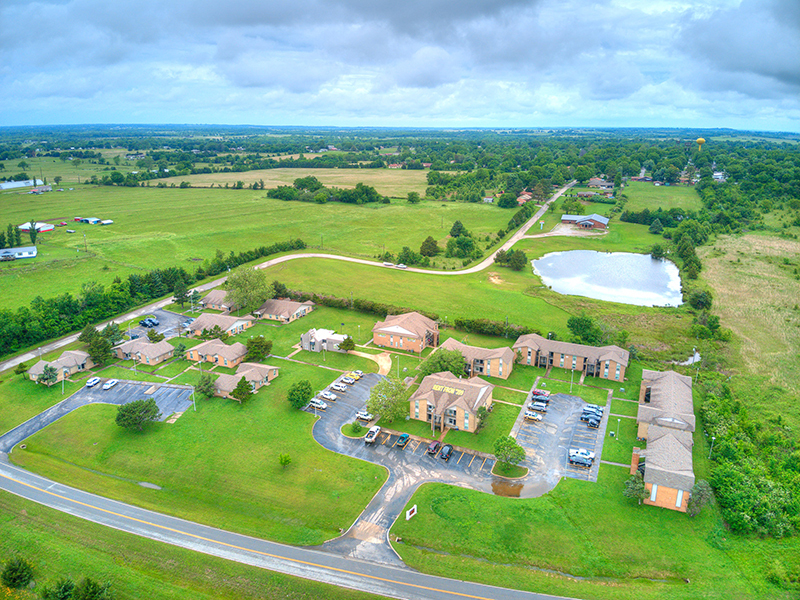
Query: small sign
x=411, y=512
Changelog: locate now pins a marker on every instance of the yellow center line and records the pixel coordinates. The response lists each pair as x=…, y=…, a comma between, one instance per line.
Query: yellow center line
x=235, y=547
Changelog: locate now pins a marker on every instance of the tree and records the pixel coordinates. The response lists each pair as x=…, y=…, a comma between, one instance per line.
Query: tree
x=507, y=200
x=17, y=237
x=258, y=348
x=62, y=590
x=49, y=375
x=180, y=292
x=413, y=197
x=518, y=260
x=248, y=288
x=300, y=393
x=388, y=399
x=21, y=369
x=457, y=229
x=284, y=460
x=195, y=297
x=657, y=251
x=100, y=350
x=215, y=333
x=2, y=240
x=10, y=236
x=702, y=494
x=88, y=334
x=57, y=179
x=205, y=386
x=585, y=330
x=112, y=333
x=635, y=488
x=701, y=300
x=656, y=226
x=347, y=344
x=180, y=349
x=583, y=174
x=135, y=414
x=429, y=247
x=444, y=360
x=88, y=589
x=154, y=336
x=243, y=390
x=33, y=232
x=17, y=573
x=507, y=451
x=23, y=165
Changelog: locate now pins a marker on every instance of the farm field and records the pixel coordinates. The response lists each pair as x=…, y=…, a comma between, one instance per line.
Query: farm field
x=173, y=227
x=623, y=551
x=197, y=461
x=643, y=195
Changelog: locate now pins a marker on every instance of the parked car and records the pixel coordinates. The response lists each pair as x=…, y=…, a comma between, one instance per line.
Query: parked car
x=372, y=434
x=532, y=416
x=109, y=384
x=580, y=461
x=595, y=407
x=363, y=415
x=401, y=266
x=590, y=416
x=591, y=411
x=328, y=395
x=593, y=423
x=348, y=380
x=339, y=387
x=581, y=452
x=402, y=440
x=354, y=375
x=93, y=382
x=433, y=448
x=545, y=399
x=155, y=322
x=538, y=406
x=318, y=404
x=447, y=452
x=537, y=393
x=145, y=323
x=388, y=264
x=359, y=372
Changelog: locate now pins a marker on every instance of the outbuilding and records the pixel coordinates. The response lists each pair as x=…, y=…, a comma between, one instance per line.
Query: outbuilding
x=15, y=253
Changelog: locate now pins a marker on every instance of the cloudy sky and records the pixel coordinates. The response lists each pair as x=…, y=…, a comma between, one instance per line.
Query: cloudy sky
x=470, y=63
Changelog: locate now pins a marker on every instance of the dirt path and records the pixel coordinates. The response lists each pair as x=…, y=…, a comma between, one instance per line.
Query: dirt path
x=384, y=360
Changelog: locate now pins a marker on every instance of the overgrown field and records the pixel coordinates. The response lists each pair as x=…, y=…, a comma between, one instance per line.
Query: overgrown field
x=643, y=195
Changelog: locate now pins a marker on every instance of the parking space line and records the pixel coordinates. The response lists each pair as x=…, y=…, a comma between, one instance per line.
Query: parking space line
x=415, y=447
x=470, y=462
x=483, y=463
x=463, y=454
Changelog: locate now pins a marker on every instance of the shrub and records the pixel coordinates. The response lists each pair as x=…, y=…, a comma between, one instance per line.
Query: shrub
x=17, y=573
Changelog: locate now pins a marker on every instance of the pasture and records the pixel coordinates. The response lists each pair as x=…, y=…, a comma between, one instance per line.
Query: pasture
x=642, y=194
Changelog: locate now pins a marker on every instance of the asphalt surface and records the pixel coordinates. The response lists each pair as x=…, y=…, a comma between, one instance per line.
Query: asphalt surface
x=169, y=398
x=169, y=323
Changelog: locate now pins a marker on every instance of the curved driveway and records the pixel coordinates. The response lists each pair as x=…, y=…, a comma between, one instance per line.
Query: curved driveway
x=489, y=260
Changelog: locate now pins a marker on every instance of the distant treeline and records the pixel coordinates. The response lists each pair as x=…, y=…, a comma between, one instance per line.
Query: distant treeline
x=50, y=318
x=310, y=189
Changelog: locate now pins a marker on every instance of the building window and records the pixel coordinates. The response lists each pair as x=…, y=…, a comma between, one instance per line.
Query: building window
x=605, y=370
x=561, y=363
x=391, y=340
x=488, y=367
x=574, y=361
x=466, y=420
x=401, y=342
x=416, y=409
x=617, y=374
x=654, y=492
x=529, y=356
x=679, y=499
x=501, y=367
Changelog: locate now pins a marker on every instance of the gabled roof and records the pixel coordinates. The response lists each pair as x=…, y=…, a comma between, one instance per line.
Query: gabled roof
x=281, y=308
x=216, y=297
x=671, y=403
x=145, y=348
x=593, y=353
x=668, y=458
x=254, y=371
x=444, y=390
x=207, y=321
x=584, y=218
x=217, y=347
x=471, y=353
x=69, y=359
x=408, y=324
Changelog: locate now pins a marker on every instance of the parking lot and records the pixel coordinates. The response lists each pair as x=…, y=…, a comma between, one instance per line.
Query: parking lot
x=168, y=324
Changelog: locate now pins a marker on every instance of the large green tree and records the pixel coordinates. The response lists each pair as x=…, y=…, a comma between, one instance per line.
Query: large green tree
x=258, y=348
x=180, y=292
x=134, y=415
x=48, y=376
x=347, y=344
x=33, y=232
x=444, y=360
x=243, y=391
x=585, y=330
x=205, y=385
x=100, y=350
x=248, y=288
x=508, y=451
x=300, y=393
x=429, y=247
x=388, y=399
x=635, y=488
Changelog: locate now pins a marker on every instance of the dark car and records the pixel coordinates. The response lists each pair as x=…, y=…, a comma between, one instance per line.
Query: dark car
x=593, y=423
x=580, y=461
x=591, y=411
x=447, y=452
x=588, y=416
x=145, y=323
x=433, y=448
x=155, y=322
x=402, y=441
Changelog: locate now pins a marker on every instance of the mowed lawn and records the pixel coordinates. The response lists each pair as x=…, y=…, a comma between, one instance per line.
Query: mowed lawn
x=586, y=540
x=643, y=195
x=218, y=465
x=183, y=227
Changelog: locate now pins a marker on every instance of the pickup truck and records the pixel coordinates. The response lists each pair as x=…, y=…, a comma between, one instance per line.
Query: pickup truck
x=581, y=452
x=372, y=434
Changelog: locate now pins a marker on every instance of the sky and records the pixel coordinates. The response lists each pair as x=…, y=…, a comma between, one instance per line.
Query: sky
x=403, y=63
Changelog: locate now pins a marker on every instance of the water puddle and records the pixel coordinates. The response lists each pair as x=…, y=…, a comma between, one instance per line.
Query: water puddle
x=509, y=489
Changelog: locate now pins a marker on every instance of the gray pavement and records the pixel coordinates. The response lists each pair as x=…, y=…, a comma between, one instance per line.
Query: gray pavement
x=169, y=398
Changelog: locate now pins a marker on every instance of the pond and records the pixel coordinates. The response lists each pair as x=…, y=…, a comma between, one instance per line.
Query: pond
x=612, y=276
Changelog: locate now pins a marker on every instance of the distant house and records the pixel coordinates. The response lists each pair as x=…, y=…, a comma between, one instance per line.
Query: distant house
x=596, y=182
x=256, y=374
x=606, y=362
x=586, y=194
x=593, y=221
x=21, y=252
x=524, y=198
x=284, y=311
x=448, y=401
x=487, y=362
x=216, y=300
x=488, y=199
x=144, y=351
x=70, y=362
x=317, y=340
x=218, y=352
x=40, y=227
x=666, y=420
x=228, y=324
x=409, y=331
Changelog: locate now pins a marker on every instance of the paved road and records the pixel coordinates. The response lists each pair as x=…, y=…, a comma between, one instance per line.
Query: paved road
x=146, y=310
x=312, y=564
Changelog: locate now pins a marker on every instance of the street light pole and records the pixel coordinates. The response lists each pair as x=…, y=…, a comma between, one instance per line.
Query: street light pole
x=712, y=447
x=398, y=366
x=571, y=377
x=618, y=426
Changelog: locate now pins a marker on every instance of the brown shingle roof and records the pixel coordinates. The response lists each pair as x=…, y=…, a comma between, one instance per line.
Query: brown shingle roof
x=669, y=458
x=216, y=297
x=445, y=390
x=69, y=359
x=471, y=353
x=232, y=352
x=207, y=321
x=594, y=353
x=412, y=323
x=670, y=403
x=281, y=308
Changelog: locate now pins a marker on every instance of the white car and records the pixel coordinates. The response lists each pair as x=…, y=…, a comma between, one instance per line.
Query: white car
x=532, y=416
x=401, y=266
x=582, y=452
x=348, y=380
x=363, y=415
x=109, y=384
x=372, y=434
x=359, y=372
x=318, y=404
x=339, y=387
x=328, y=396
x=93, y=382
x=388, y=264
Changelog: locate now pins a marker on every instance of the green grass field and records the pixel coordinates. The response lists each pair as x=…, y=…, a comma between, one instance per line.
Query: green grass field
x=643, y=195
x=586, y=540
x=218, y=465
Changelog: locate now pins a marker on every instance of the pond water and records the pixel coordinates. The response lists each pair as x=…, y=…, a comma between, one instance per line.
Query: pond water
x=612, y=276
